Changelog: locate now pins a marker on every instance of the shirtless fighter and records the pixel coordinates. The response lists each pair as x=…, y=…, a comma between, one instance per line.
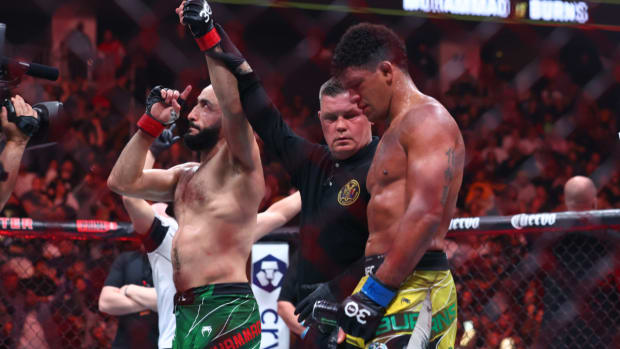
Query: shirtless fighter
x=158, y=229
x=215, y=201
x=414, y=181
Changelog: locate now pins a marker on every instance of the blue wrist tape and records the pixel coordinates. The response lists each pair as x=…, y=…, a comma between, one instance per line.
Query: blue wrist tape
x=376, y=291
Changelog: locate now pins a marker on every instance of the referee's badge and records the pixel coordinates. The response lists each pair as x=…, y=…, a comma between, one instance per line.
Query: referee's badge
x=349, y=193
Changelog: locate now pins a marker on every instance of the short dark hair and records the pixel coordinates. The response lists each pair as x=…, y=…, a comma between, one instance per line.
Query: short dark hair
x=331, y=88
x=364, y=45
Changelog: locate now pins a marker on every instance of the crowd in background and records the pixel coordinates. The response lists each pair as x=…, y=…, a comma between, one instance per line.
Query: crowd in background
x=521, y=149
x=49, y=293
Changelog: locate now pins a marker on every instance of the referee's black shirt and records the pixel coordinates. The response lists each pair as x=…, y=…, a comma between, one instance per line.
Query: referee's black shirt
x=333, y=223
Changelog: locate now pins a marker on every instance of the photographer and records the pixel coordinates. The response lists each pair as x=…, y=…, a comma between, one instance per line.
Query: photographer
x=15, y=143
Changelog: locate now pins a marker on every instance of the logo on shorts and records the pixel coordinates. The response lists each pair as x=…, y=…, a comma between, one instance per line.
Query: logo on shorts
x=207, y=329
x=268, y=273
x=349, y=193
x=377, y=346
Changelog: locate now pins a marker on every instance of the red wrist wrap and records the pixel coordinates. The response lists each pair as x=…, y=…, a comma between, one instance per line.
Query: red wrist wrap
x=207, y=41
x=150, y=126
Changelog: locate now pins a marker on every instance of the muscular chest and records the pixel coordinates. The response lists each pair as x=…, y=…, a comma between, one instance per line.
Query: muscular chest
x=389, y=164
x=199, y=183
x=188, y=188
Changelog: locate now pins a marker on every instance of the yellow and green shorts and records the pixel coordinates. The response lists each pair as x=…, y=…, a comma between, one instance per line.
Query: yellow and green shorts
x=430, y=287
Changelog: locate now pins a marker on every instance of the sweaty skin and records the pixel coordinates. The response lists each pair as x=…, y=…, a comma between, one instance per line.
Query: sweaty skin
x=216, y=200
x=416, y=172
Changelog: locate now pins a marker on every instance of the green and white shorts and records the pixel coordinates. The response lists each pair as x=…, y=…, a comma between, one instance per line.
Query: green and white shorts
x=217, y=316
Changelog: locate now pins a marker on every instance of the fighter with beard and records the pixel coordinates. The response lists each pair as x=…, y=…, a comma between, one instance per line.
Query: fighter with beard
x=215, y=203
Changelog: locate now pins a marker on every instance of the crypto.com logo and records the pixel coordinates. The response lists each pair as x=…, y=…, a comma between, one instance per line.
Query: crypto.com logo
x=268, y=273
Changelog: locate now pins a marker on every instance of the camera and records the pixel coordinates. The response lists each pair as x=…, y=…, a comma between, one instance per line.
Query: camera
x=11, y=71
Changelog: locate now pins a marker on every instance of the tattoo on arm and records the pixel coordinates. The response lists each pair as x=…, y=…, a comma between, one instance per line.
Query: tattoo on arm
x=448, y=175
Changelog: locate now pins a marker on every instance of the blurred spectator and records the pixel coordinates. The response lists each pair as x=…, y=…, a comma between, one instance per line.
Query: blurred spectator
x=540, y=202
x=37, y=203
x=500, y=153
x=79, y=51
x=110, y=54
x=527, y=191
x=507, y=202
x=119, y=97
x=531, y=142
x=575, y=256
x=480, y=199
x=137, y=322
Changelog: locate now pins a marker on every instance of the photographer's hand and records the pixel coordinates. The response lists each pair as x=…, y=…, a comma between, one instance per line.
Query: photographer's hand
x=10, y=129
x=16, y=141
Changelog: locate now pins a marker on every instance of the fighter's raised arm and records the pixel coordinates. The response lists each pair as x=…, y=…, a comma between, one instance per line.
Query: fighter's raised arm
x=235, y=126
x=236, y=130
x=140, y=212
x=264, y=117
x=128, y=176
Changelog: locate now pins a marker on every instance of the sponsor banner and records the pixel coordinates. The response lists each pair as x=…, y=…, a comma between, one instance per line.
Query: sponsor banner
x=538, y=222
x=483, y=8
x=28, y=228
x=16, y=223
x=269, y=264
x=558, y=11
x=464, y=223
x=82, y=226
x=523, y=220
x=94, y=226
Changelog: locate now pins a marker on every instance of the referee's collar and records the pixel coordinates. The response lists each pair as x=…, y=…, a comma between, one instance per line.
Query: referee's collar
x=363, y=153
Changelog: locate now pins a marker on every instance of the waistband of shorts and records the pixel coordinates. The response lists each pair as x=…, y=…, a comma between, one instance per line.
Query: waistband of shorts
x=431, y=260
x=231, y=288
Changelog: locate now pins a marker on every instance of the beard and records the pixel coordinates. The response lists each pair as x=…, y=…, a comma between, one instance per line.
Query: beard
x=204, y=140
